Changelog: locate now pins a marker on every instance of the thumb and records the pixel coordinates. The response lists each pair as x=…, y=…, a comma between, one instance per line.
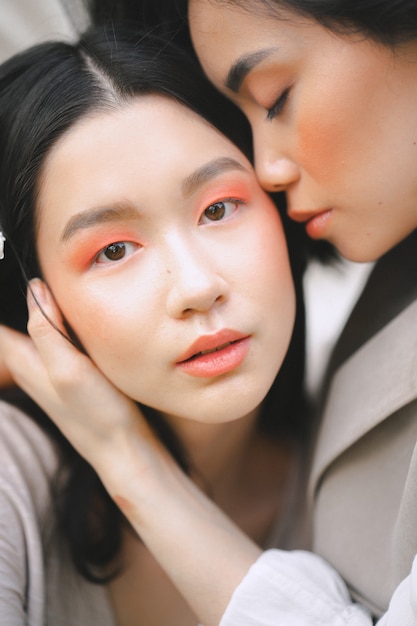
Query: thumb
x=19, y=357
x=72, y=374
x=62, y=360
x=44, y=315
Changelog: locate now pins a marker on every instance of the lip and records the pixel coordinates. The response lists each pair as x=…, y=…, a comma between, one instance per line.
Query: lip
x=316, y=222
x=216, y=354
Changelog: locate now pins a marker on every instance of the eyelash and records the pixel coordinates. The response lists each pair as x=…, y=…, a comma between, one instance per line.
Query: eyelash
x=224, y=201
x=278, y=106
x=128, y=246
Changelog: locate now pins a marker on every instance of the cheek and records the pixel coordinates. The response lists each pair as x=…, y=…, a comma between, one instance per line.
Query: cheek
x=321, y=145
x=272, y=273
x=334, y=119
x=275, y=295
x=96, y=319
x=89, y=319
x=111, y=337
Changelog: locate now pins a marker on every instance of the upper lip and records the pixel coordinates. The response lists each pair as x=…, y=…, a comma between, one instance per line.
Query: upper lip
x=304, y=216
x=209, y=343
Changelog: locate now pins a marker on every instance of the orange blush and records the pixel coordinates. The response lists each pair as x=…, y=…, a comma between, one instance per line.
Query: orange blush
x=86, y=246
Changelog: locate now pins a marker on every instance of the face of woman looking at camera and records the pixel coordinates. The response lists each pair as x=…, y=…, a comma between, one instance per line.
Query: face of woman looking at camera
x=167, y=259
x=334, y=119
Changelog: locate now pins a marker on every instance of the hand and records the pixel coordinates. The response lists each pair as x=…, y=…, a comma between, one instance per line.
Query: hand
x=94, y=415
x=6, y=379
x=109, y=431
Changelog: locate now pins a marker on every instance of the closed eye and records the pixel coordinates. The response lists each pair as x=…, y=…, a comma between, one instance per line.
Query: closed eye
x=278, y=106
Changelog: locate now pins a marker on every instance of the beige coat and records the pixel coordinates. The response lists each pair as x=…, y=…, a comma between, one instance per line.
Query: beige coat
x=364, y=477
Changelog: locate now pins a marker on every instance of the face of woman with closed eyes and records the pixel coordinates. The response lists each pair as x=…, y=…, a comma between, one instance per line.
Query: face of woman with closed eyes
x=167, y=259
x=333, y=117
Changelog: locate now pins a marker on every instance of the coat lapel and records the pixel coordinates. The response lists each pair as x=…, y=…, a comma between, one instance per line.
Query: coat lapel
x=368, y=377
x=391, y=287
x=376, y=381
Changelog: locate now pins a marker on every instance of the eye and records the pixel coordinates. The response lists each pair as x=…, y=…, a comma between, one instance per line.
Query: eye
x=278, y=106
x=219, y=211
x=115, y=252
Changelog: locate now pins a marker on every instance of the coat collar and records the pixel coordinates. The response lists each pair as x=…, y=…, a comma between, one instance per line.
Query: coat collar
x=376, y=381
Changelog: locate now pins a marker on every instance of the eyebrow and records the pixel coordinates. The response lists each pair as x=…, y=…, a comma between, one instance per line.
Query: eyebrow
x=243, y=66
x=105, y=215
x=97, y=215
x=208, y=171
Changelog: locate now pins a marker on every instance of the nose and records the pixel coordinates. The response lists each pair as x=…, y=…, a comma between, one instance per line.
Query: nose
x=275, y=169
x=196, y=285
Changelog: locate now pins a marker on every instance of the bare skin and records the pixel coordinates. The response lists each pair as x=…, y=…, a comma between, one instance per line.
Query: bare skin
x=185, y=224
x=145, y=484
x=254, y=515
x=6, y=379
x=148, y=487
x=315, y=136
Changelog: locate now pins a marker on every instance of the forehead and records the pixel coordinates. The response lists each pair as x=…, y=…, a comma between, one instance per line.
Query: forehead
x=135, y=153
x=145, y=128
x=224, y=34
x=241, y=13
x=153, y=111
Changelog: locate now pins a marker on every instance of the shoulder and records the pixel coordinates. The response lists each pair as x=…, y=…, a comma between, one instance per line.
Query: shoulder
x=28, y=463
x=22, y=440
x=28, y=459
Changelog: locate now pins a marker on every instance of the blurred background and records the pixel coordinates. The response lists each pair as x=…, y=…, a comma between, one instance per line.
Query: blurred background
x=25, y=22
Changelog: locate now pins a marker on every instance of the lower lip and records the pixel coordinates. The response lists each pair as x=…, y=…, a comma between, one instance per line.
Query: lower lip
x=219, y=362
x=316, y=226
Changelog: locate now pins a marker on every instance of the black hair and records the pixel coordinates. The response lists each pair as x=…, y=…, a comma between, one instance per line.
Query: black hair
x=390, y=22
x=43, y=93
x=387, y=22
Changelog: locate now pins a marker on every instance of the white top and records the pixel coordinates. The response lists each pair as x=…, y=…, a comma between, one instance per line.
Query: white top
x=300, y=589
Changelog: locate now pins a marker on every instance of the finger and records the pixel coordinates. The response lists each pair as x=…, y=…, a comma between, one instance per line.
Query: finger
x=91, y=412
x=65, y=364
x=45, y=318
x=73, y=375
x=23, y=362
x=6, y=378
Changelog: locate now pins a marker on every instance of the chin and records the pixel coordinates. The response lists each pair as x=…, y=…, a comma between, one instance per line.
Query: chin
x=362, y=252
x=229, y=407
x=364, y=247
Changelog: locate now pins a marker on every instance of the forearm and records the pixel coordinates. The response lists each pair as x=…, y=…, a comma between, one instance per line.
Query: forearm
x=204, y=554
x=6, y=379
x=200, y=549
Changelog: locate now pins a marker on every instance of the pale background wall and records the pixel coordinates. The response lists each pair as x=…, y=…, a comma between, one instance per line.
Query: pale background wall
x=25, y=22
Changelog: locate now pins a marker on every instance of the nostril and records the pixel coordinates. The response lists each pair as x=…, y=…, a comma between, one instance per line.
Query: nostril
x=276, y=187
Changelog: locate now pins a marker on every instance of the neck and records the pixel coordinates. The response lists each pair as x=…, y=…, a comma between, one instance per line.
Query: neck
x=217, y=452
